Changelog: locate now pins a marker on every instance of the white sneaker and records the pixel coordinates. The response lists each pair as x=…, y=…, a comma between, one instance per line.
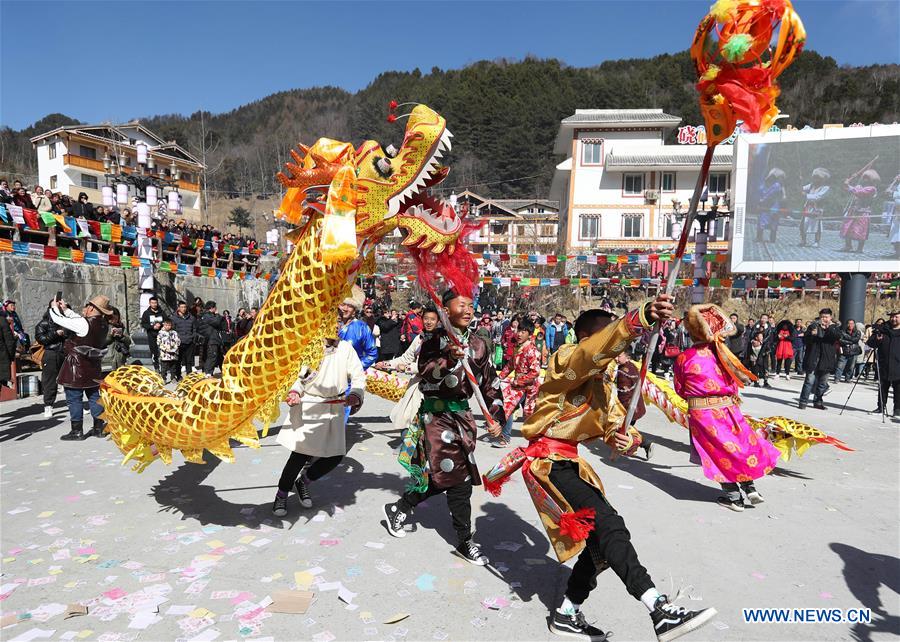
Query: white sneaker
x=48, y=412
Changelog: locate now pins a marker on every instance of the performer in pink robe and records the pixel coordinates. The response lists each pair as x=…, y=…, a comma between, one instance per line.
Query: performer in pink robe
x=709, y=377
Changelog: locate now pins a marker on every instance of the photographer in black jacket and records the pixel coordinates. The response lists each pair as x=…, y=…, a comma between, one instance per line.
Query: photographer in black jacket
x=821, y=357
x=885, y=340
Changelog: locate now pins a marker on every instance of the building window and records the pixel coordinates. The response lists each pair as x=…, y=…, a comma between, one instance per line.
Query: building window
x=87, y=152
x=667, y=227
x=548, y=230
x=718, y=183
x=631, y=225
x=592, y=151
x=521, y=230
x=53, y=182
x=589, y=227
x=186, y=176
x=668, y=181
x=89, y=181
x=52, y=151
x=633, y=184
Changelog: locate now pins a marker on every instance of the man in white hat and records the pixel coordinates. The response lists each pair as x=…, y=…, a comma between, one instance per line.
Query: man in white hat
x=81, y=370
x=356, y=331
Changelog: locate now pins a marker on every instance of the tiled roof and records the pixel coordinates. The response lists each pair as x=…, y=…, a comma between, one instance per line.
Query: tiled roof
x=518, y=203
x=621, y=116
x=631, y=160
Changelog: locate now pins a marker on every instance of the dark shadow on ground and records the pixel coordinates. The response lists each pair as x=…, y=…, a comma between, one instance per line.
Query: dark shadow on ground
x=183, y=491
x=656, y=475
x=37, y=423
x=781, y=472
x=530, y=571
x=864, y=574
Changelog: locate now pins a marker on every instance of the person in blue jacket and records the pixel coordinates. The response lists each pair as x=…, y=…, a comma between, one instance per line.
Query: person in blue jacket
x=356, y=332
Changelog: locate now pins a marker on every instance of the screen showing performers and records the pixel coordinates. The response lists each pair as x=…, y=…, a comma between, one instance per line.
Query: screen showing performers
x=827, y=200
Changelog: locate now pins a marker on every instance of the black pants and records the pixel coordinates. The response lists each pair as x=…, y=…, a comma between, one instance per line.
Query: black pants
x=173, y=368
x=295, y=463
x=610, y=540
x=885, y=387
x=213, y=353
x=51, y=362
x=459, y=501
x=186, y=356
x=154, y=348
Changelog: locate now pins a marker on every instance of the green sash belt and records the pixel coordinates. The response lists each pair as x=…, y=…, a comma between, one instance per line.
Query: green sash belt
x=436, y=404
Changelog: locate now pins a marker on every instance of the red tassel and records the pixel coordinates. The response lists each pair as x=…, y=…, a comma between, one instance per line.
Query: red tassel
x=577, y=525
x=391, y=118
x=392, y=105
x=495, y=487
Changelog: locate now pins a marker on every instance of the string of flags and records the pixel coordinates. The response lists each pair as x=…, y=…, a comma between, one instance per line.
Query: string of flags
x=588, y=259
x=733, y=284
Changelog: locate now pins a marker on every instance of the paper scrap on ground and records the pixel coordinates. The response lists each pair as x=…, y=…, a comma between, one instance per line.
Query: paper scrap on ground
x=74, y=610
x=291, y=601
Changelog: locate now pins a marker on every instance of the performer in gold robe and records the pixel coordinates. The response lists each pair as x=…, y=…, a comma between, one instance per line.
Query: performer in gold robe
x=573, y=407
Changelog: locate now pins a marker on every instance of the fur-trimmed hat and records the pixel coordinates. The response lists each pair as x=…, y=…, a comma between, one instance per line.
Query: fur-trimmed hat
x=356, y=299
x=708, y=321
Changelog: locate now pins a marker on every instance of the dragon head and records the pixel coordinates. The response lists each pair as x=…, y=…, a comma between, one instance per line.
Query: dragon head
x=390, y=186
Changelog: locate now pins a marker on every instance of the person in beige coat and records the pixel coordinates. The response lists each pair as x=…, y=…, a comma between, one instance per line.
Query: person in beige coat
x=316, y=427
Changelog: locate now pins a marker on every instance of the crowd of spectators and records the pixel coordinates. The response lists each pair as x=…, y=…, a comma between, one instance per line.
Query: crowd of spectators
x=177, y=235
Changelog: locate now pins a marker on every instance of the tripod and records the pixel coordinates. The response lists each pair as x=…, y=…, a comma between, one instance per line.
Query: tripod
x=881, y=402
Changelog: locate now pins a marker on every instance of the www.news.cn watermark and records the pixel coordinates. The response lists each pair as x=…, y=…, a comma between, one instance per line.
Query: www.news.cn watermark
x=807, y=616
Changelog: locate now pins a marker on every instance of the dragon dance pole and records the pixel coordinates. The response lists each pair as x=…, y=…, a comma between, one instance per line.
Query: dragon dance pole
x=673, y=278
x=733, y=45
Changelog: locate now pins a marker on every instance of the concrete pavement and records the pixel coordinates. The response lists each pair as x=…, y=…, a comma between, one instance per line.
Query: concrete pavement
x=192, y=551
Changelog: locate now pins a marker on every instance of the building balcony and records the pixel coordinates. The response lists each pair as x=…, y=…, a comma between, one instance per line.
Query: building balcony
x=84, y=162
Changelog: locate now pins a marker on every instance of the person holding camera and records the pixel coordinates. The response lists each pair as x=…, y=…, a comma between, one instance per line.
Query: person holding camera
x=849, y=351
x=885, y=340
x=821, y=357
x=81, y=370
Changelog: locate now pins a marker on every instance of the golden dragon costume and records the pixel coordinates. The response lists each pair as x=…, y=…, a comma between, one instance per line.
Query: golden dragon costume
x=344, y=201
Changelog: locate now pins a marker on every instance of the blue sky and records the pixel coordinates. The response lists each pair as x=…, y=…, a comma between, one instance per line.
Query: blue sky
x=99, y=61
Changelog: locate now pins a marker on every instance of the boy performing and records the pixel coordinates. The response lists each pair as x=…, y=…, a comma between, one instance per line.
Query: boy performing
x=317, y=426
x=625, y=375
x=709, y=376
x=440, y=444
x=566, y=491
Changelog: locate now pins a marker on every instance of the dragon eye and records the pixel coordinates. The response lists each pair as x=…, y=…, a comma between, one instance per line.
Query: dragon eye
x=383, y=166
x=391, y=151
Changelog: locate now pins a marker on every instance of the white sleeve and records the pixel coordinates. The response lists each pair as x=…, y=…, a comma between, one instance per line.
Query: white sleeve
x=303, y=378
x=356, y=374
x=70, y=321
x=410, y=357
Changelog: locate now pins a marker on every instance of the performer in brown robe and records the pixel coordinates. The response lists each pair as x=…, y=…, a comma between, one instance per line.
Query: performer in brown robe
x=445, y=430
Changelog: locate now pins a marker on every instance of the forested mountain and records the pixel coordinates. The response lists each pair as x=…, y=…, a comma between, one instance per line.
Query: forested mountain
x=504, y=115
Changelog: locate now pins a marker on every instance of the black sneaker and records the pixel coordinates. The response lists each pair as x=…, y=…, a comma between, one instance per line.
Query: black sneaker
x=670, y=621
x=303, y=493
x=279, y=508
x=575, y=626
x=395, y=520
x=471, y=552
x=736, y=505
x=648, y=449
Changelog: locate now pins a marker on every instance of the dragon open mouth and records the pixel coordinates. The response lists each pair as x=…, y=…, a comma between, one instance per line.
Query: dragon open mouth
x=414, y=194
